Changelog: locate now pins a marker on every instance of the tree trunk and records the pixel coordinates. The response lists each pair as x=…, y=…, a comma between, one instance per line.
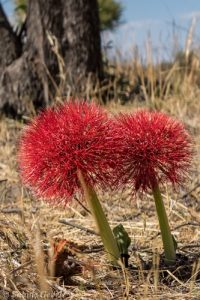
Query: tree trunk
x=81, y=53
x=10, y=45
x=57, y=54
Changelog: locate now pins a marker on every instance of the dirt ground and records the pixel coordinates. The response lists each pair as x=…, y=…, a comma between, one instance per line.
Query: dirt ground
x=28, y=229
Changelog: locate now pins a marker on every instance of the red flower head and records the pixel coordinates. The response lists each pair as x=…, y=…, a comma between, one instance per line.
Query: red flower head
x=58, y=142
x=154, y=148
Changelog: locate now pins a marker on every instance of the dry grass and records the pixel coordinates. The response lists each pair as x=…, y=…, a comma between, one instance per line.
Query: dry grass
x=27, y=226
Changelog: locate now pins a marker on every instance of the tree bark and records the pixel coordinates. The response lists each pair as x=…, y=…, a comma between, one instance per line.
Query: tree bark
x=81, y=54
x=60, y=51
x=10, y=45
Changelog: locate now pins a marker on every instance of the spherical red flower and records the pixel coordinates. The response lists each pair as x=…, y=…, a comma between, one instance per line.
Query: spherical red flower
x=153, y=148
x=58, y=142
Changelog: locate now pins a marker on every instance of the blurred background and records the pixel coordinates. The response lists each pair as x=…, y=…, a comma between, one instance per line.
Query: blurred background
x=164, y=24
x=111, y=50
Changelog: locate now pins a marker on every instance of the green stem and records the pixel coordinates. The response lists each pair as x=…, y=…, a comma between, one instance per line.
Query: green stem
x=168, y=243
x=102, y=224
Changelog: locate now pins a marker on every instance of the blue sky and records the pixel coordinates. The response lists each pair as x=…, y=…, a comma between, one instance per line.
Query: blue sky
x=158, y=9
x=165, y=23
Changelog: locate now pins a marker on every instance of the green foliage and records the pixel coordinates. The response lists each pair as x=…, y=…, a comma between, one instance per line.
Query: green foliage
x=110, y=12
x=20, y=11
x=122, y=238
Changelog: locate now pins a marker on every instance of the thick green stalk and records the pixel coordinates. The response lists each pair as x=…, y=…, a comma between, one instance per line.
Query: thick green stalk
x=168, y=243
x=103, y=227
